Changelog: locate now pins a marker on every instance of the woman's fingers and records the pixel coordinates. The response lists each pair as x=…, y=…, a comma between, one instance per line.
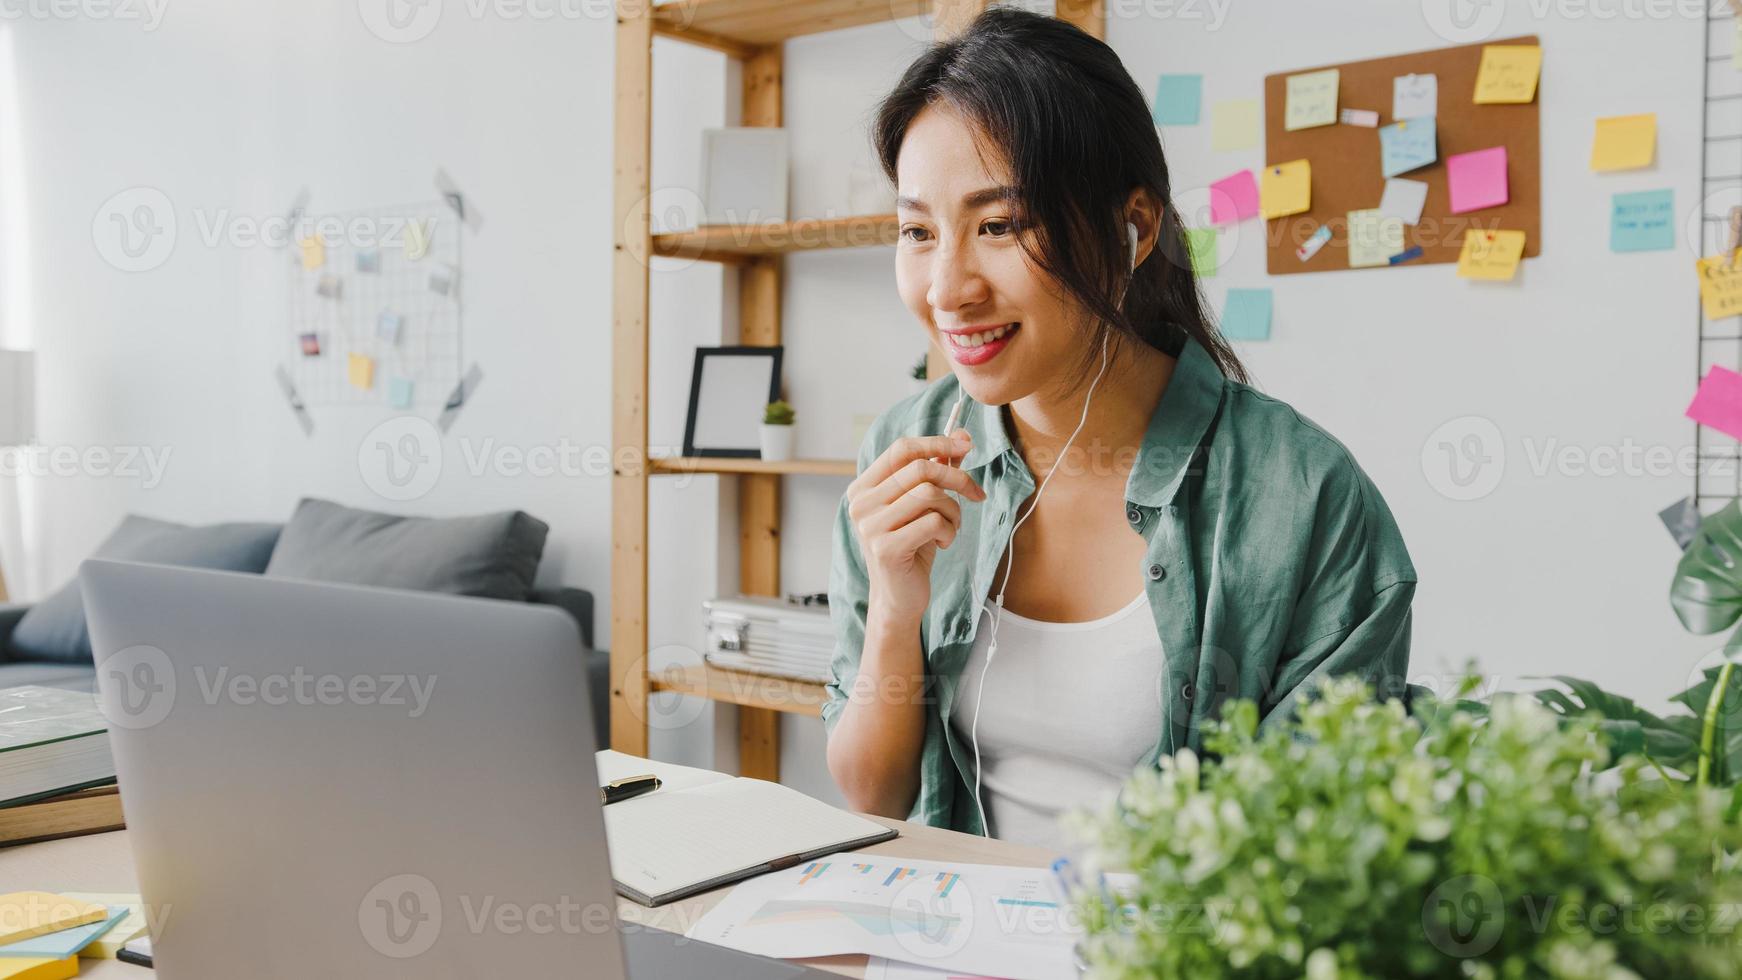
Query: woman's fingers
x=912, y=505
x=903, y=451
x=917, y=473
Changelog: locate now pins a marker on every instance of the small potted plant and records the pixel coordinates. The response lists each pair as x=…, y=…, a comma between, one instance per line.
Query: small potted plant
x=917, y=373
x=776, y=433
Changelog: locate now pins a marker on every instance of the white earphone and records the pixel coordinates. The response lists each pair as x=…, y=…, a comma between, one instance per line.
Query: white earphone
x=998, y=610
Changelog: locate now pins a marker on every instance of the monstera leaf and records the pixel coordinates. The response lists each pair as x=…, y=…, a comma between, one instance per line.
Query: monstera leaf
x=1707, y=592
x=1628, y=728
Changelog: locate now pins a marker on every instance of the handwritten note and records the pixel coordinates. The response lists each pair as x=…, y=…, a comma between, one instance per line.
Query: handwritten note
x=1720, y=285
x=1624, y=143
x=1177, y=98
x=1234, y=125
x=361, y=371
x=1233, y=198
x=1415, y=96
x=1718, y=402
x=1365, y=118
x=1201, y=243
x=1403, y=200
x=1247, y=315
x=1407, y=145
x=1373, y=238
x=1477, y=180
x=1642, y=221
x=1312, y=99
x=1508, y=74
x=314, y=252
x=1286, y=188
x=1492, y=255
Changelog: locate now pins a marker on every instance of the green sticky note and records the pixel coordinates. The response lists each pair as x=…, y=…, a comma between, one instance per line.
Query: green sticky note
x=1201, y=243
x=399, y=393
x=1177, y=98
x=1247, y=315
x=1642, y=222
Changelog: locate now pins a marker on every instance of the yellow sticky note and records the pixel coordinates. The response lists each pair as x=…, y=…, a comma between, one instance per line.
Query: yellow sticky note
x=1624, y=142
x=1721, y=285
x=1374, y=237
x=1508, y=73
x=1312, y=99
x=362, y=371
x=314, y=252
x=38, y=968
x=1234, y=125
x=416, y=240
x=24, y=915
x=1286, y=188
x=1491, y=254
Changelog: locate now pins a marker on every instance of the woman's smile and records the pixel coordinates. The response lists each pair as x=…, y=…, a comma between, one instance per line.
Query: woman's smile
x=978, y=344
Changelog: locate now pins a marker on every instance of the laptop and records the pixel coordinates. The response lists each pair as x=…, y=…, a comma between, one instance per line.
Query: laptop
x=325, y=780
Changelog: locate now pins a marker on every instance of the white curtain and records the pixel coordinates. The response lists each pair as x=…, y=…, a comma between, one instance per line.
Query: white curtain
x=18, y=550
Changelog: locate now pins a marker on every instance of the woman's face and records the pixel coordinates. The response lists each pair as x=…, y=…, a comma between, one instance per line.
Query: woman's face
x=1005, y=326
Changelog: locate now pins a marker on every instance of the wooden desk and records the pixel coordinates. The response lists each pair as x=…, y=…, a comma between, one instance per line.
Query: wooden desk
x=103, y=863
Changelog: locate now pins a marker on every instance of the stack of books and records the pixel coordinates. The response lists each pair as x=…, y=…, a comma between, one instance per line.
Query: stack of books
x=777, y=637
x=57, y=777
x=43, y=936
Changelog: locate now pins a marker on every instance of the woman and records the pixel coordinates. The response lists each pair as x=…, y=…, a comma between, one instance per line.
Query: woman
x=1122, y=534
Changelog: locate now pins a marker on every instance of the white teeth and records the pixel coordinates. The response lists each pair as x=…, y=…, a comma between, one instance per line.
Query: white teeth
x=973, y=340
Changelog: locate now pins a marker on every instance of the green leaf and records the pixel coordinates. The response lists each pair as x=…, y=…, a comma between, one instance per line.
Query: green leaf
x=1706, y=593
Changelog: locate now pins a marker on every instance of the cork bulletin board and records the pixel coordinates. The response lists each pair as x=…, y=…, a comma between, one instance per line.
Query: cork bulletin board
x=1346, y=166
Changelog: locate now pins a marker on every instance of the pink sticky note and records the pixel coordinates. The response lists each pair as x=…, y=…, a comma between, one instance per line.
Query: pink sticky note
x=1477, y=179
x=1718, y=403
x=1233, y=198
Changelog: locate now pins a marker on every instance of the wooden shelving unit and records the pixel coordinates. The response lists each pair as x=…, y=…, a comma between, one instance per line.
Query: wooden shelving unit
x=753, y=31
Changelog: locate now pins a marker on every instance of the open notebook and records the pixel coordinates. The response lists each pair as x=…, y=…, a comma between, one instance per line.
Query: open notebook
x=701, y=829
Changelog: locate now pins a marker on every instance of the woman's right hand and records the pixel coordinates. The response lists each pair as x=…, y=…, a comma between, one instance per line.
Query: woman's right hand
x=902, y=515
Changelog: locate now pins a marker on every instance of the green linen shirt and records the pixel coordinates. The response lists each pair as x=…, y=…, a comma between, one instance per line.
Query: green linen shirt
x=1272, y=561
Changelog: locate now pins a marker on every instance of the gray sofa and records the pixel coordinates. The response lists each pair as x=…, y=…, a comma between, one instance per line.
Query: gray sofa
x=315, y=545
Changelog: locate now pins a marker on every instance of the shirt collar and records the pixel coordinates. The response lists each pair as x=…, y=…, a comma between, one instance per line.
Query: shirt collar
x=1191, y=399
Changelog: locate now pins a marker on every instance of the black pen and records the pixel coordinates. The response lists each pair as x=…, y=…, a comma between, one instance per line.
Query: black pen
x=624, y=789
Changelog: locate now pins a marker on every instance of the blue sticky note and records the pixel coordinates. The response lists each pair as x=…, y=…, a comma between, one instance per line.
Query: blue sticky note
x=1406, y=145
x=1247, y=315
x=399, y=392
x=67, y=942
x=1642, y=222
x=1177, y=98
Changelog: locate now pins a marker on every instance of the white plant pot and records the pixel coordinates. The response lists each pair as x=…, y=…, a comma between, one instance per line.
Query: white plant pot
x=776, y=442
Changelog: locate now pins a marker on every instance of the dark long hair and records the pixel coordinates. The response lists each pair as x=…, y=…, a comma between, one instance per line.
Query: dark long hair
x=1076, y=132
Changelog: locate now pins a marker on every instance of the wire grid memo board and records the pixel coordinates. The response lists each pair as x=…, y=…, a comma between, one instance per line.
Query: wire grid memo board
x=372, y=256
x=1718, y=471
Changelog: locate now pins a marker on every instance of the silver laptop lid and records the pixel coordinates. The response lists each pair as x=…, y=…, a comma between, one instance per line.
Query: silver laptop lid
x=335, y=781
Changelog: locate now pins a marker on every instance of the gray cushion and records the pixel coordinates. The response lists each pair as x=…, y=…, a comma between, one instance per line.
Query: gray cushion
x=54, y=629
x=490, y=555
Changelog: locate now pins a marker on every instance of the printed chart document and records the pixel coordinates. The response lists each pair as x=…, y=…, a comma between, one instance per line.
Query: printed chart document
x=702, y=829
x=984, y=919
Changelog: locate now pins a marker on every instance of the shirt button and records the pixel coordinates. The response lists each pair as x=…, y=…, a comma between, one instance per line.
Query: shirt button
x=1157, y=573
x=1134, y=516
x=1186, y=691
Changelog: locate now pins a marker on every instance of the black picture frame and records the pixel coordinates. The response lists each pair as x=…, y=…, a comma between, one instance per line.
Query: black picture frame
x=772, y=354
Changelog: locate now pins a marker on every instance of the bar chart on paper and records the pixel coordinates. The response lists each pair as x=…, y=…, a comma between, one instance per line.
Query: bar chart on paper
x=967, y=919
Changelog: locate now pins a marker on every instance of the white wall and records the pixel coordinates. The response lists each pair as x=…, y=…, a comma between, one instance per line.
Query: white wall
x=228, y=106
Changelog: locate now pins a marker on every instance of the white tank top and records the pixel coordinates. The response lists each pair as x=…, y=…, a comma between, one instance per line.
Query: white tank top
x=1069, y=710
